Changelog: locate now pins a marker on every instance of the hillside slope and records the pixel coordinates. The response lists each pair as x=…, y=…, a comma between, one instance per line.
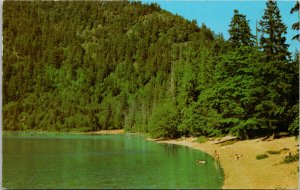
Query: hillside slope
x=88, y=66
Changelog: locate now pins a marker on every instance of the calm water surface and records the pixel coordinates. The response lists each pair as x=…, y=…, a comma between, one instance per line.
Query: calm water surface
x=58, y=160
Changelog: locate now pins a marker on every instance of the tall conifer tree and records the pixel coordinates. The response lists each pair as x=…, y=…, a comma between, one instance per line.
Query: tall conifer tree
x=295, y=26
x=240, y=32
x=272, y=30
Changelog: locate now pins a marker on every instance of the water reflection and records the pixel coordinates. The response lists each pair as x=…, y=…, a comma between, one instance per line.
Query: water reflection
x=103, y=161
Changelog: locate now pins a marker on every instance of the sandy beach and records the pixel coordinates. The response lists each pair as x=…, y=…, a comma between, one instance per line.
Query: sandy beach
x=248, y=172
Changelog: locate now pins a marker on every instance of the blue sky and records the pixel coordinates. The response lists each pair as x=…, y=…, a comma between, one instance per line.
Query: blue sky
x=217, y=14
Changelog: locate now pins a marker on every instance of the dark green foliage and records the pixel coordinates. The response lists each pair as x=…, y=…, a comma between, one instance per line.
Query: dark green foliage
x=164, y=121
x=231, y=104
x=295, y=26
x=272, y=30
x=291, y=158
x=239, y=31
x=294, y=126
x=261, y=156
x=87, y=65
x=292, y=95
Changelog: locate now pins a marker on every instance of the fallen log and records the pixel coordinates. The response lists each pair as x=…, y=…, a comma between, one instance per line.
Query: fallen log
x=224, y=139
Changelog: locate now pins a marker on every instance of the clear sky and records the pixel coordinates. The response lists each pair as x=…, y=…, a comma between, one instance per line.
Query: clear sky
x=217, y=14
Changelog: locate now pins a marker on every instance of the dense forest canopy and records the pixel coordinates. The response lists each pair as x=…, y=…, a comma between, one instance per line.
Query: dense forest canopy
x=90, y=65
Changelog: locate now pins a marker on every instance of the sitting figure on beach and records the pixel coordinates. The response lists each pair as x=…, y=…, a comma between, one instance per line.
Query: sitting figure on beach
x=238, y=156
x=216, y=155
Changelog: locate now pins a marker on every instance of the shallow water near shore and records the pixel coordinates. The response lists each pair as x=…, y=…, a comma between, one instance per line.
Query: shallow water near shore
x=64, y=160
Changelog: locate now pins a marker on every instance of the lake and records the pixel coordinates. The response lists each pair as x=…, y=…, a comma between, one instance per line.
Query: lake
x=65, y=160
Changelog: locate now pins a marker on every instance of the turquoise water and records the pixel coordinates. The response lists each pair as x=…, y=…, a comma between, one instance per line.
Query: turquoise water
x=58, y=160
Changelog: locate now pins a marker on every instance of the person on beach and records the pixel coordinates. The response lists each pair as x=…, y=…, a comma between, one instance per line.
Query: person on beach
x=217, y=156
x=238, y=156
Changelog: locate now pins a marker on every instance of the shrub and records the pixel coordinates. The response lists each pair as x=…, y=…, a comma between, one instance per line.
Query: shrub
x=291, y=158
x=201, y=139
x=261, y=156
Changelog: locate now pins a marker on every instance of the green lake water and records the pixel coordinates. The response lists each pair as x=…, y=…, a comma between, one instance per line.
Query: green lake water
x=63, y=160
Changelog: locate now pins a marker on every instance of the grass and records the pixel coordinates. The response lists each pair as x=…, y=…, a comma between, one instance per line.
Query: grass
x=273, y=152
x=290, y=158
x=201, y=139
x=261, y=156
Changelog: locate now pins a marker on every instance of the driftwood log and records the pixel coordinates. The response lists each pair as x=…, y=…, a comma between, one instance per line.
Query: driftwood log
x=224, y=139
x=275, y=136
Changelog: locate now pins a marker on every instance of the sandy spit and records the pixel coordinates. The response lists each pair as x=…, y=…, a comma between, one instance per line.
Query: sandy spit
x=247, y=172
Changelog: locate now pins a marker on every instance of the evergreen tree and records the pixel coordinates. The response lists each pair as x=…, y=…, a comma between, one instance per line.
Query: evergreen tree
x=239, y=31
x=272, y=33
x=111, y=65
x=295, y=26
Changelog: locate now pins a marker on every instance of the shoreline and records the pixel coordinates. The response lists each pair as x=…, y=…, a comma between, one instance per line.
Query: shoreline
x=103, y=132
x=247, y=172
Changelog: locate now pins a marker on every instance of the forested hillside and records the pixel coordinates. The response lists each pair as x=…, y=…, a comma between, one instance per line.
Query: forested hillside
x=84, y=66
